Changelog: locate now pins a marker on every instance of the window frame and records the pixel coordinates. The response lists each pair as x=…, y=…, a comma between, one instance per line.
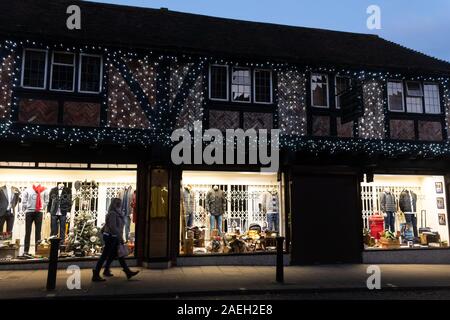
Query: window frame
x=327, y=90
x=227, y=82
x=231, y=85
x=81, y=55
x=349, y=82
x=439, y=97
x=23, y=68
x=66, y=65
x=403, y=96
x=254, y=85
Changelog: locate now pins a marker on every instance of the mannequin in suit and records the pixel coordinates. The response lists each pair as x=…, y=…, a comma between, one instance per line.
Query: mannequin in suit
x=60, y=203
x=9, y=198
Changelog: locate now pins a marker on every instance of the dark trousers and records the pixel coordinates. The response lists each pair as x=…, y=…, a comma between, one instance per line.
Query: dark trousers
x=8, y=218
x=389, y=221
x=30, y=218
x=109, y=253
x=412, y=219
x=59, y=222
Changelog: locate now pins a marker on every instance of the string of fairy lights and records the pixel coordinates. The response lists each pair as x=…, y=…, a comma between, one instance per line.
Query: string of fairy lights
x=145, y=102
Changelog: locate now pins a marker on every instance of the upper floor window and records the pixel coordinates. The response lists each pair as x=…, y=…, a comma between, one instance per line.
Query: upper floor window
x=241, y=85
x=395, y=96
x=432, y=98
x=263, y=86
x=91, y=69
x=419, y=98
x=218, y=82
x=342, y=84
x=63, y=72
x=319, y=90
x=34, y=69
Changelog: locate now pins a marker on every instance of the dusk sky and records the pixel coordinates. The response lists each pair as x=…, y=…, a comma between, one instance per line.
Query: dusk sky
x=418, y=24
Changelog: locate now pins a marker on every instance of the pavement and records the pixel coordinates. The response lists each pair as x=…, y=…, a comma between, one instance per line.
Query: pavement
x=223, y=280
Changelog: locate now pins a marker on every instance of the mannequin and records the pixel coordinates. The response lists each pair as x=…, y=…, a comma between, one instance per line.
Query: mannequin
x=215, y=206
x=189, y=205
x=60, y=203
x=408, y=204
x=271, y=206
x=388, y=207
x=126, y=195
x=9, y=198
x=34, y=200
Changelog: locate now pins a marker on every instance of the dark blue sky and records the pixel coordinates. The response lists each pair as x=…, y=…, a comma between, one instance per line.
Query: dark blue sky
x=423, y=25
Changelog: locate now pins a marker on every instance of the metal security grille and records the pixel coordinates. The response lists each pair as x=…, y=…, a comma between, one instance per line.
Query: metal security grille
x=243, y=205
x=370, y=196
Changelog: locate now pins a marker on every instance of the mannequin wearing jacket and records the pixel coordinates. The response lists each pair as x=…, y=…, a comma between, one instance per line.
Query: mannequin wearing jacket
x=271, y=206
x=216, y=204
x=34, y=200
x=388, y=206
x=60, y=203
x=408, y=204
x=9, y=198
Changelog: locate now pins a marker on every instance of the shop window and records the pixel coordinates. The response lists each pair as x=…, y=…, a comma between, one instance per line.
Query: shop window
x=401, y=212
x=229, y=213
x=342, y=84
x=90, y=77
x=34, y=69
x=262, y=86
x=73, y=205
x=218, y=82
x=241, y=85
x=319, y=90
x=395, y=96
x=62, y=76
x=432, y=99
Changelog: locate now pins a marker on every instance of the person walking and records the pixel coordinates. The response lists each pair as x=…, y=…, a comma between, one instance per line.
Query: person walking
x=112, y=238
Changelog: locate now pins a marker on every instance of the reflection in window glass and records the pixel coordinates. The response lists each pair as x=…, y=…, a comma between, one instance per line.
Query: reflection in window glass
x=342, y=85
x=241, y=84
x=395, y=95
x=218, y=82
x=63, y=71
x=90, y=73
x=432, y=100
x=319, y=90
x=263, y=86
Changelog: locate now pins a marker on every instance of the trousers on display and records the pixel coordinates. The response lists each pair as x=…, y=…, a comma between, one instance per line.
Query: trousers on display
x=127, y=224
x=389, y=221
x=59, y=222
x=272, y=221
x=8, y=218
x=30, y=218
x=412, y=219
x=189, y=220
x=216, y=219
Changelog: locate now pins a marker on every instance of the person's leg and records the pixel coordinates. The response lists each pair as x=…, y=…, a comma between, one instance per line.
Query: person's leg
x=387, y=221
x=10, y=223
x=2, y=223
x=112, y=253
x=28, y=225
x=414, y=223
x=276, y=221
x=105, y=253
x=269, y=222
x=219, y=223
x=212, y=222
x=392, y=221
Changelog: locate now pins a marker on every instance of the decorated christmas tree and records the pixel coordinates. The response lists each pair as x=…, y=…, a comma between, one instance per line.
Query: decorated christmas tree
x=84, y=236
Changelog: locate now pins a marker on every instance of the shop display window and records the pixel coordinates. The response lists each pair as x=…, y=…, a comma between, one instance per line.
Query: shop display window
x=404, y=212
x=37, y=204
x=229, y=213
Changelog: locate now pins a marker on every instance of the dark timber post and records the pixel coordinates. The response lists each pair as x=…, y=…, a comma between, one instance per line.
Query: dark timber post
x=53, y=264
x=280, y=260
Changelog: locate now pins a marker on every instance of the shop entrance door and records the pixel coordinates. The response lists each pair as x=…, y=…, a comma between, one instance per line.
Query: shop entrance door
x=326, y=219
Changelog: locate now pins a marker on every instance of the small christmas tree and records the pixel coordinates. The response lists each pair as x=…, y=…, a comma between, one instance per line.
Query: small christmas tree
x=84, y=236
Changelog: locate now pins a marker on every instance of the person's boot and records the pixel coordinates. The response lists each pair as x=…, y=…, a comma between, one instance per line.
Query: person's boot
x=107, y=273
x=130, y=274
x=96, y=276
